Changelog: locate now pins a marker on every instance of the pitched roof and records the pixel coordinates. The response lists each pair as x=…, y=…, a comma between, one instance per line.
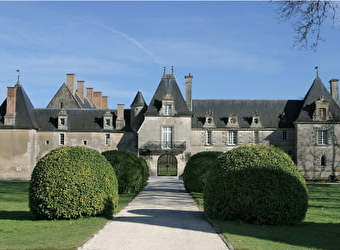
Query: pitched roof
x=65, y=96
x=316, y=91
x=273, y=113
x=167, y=84
x=25, y=117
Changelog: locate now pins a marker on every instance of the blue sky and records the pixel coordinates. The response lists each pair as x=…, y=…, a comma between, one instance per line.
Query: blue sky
x=234, y=50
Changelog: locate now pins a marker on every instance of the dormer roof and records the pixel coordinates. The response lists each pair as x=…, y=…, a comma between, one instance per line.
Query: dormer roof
x=317, y=91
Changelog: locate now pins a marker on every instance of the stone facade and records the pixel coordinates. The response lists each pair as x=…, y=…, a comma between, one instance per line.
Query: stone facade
x=171, y=128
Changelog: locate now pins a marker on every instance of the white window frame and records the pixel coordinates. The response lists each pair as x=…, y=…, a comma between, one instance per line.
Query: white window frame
x=167, y=132
x=322, y=137
x=167, y=109
x=232, y=137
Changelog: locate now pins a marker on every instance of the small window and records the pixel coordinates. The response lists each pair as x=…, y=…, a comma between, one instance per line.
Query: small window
x=47, y=142
x=208, y=139
x=232, y=137
x=61, y=105
x=108, y=122
x=323, y=160
x=62, y=121
x=84, y=143
x=168, y=109
x=61, y=139
x=322, y=113
x=107, y=139
x=284, y=135
x=322, y=137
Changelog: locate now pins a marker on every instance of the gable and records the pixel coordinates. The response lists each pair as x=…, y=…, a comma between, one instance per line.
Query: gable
x=64, y=99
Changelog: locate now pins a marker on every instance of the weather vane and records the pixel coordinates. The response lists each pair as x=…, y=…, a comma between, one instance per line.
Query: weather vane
x=317, y=70
x=18, y=74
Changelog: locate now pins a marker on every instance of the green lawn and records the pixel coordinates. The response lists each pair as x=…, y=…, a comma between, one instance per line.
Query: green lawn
x=320, y=230
x=19, y=231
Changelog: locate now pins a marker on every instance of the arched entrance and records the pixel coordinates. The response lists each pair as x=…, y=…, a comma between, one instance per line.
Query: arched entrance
x=167, y=165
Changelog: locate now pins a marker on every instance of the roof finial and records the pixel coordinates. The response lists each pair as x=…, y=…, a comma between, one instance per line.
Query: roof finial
x=172, y=69
x=18, y=82
x=164, y=70
x=317, y=70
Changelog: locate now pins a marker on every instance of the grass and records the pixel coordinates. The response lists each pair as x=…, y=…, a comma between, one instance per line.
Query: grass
x=319, y=231
x=19, y=231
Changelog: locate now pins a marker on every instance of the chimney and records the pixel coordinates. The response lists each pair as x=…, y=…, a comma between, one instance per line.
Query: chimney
x=89, y=95
x=120, y=122
x=80, y=90
x=188, y=91
x=105, y=102
x=11, y=106
x=97, y=99
x=70, y=78
x=335, y=89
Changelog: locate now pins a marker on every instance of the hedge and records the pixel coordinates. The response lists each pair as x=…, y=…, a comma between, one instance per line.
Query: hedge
x=71, y=182
x=196, y=170
x=132, y=171
x=256, y=184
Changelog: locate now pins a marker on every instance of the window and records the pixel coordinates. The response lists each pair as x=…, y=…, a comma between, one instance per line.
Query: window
x=256, y=138
x=61, y=139
x=62, y=121
x=107, y=139
x=232, y=137
x=61, y=105
x=168, y=109
x=323, y=160
x=108, y=122
x=84, y=142
x=284, y=135
x=166, y=137
x=322, y=137
x=208, y=137
x=322, y=113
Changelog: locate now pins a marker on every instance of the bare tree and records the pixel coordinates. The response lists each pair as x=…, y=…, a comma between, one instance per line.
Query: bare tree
x=308, y=18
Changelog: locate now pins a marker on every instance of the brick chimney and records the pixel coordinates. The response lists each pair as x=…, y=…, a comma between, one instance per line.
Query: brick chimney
x=11, y=106
x=70, y=78
x=97, y=99
x=188, y=91
x=89, y=95
x=335, y=89
x=120, y=121
x=80, y=90
x=105, y=102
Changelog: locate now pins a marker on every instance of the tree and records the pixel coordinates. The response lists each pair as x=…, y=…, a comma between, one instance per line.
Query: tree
x=308, y=18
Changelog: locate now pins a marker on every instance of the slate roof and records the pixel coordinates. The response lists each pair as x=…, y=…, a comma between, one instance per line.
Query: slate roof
x=273, y=113
x=168, y=84
x=139, y=100
x=317, y=90
x=25, y=117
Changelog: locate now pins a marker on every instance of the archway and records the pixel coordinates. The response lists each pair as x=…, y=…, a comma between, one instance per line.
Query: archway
x=167, y=165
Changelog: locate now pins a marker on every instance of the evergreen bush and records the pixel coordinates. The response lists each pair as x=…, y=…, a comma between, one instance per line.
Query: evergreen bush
x=196, y=170
x=71, y=182
x=132, y=171
x=256, y=184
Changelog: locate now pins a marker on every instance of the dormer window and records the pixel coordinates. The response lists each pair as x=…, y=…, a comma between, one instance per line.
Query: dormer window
x=232, y=120
x=209, y=120
x=255, y=121
x=168, y=109
x=168, y=105
x=62, y=120
x=108, y=121
x=321, y=112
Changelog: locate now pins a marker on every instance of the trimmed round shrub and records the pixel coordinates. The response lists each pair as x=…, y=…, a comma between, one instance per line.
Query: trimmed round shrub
x=72, y=182
x=256, y=184
x=196, y=170
x=132, y=171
